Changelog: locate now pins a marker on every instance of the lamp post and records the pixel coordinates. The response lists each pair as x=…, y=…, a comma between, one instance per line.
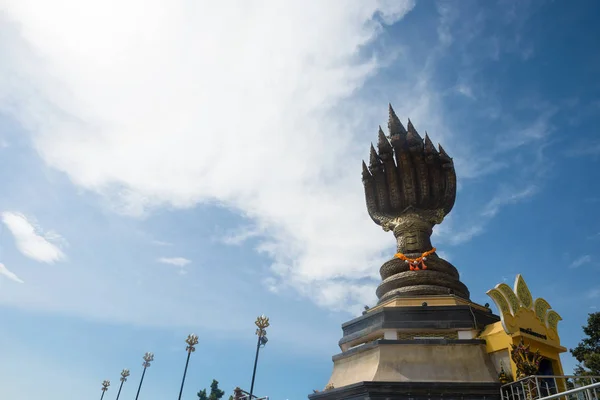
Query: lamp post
x=123, y=379
x=262, y=324
x=191, y=341
x=148, y=357
x=105, y=386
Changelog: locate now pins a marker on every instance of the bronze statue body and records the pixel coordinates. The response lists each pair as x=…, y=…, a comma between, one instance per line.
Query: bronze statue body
x=410, y=187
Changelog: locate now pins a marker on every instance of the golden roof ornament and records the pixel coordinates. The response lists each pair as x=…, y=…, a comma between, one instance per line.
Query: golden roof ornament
x=517, y=303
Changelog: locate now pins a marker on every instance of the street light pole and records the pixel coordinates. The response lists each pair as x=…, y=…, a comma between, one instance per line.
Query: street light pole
x=123, y=379
x=105, y=386
x=191, y=341
x=148, y=357
x=262, y=324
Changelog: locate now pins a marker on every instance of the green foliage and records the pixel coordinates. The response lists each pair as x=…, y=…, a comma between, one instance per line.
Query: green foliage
x=587, y=352
x=215, y=392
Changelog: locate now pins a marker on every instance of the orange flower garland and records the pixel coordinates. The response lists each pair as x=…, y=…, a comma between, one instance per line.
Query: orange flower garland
x=415, y=262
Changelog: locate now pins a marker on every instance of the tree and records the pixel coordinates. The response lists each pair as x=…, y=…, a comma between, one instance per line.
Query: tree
x=215, y=392
x=587, y=352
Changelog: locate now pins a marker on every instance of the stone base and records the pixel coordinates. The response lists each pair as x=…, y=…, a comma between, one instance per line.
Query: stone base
x=415, y=352
x=412, y=391
x=421, y=360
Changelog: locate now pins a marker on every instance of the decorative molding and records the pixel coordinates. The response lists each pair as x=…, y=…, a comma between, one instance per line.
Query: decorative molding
x=513, y=303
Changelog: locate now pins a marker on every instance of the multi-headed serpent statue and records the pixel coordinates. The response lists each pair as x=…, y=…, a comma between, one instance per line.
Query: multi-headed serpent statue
x=409, y=187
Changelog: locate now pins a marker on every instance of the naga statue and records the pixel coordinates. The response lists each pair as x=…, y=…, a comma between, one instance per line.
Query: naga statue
x=410, y=186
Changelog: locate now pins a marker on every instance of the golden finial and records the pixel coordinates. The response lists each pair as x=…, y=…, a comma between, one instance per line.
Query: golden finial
x=124, y=375
x=262, y=323
x=191, y=340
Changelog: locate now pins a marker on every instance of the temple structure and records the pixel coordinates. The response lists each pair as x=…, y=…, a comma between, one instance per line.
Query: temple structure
x=425, y=338
x=523, y=319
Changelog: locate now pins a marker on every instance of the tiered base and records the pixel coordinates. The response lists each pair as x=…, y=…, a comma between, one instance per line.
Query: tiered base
x=409, y=348
x=419, y=360
x=412, y=391
x=440, y=278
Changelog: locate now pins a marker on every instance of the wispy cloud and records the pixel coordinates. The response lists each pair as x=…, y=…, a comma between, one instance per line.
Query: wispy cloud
x=447, y=16
x=10, y=275
x=238, y=236
x=465, y=90
x=31, y=240
x=177, y=261
x=525, y=132
x=578, y=262
x=584, y=149
x=466, y=235
x=507, y=196
x=455, y=233
x=594, y=293
x=161, y=243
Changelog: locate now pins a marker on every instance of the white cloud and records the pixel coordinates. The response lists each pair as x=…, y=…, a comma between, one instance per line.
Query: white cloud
x=582, y=260
x=161, y=243
x=31, y=240
x=584, y=149
x=455, y=230
x=465, y=235
x=506, y=197
x=240, y=235
x=10, y=275
x=177, y=261
x=447, y=17
x=465, y=90
x=535, y=130
x=172, y=106
x=594, y=293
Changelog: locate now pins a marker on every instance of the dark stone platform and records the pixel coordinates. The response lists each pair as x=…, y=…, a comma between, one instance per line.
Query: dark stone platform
x=417, y=317
x=412, y=391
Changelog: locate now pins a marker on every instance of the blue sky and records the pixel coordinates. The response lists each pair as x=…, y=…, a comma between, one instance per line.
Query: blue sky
x=177, y=167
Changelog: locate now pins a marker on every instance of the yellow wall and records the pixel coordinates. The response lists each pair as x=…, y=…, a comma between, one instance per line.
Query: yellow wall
x=417, y=301
x=497, y=340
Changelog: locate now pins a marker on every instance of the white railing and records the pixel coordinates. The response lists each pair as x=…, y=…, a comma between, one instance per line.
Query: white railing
x=541, y=387
x=246, y=396
x=586, y=391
